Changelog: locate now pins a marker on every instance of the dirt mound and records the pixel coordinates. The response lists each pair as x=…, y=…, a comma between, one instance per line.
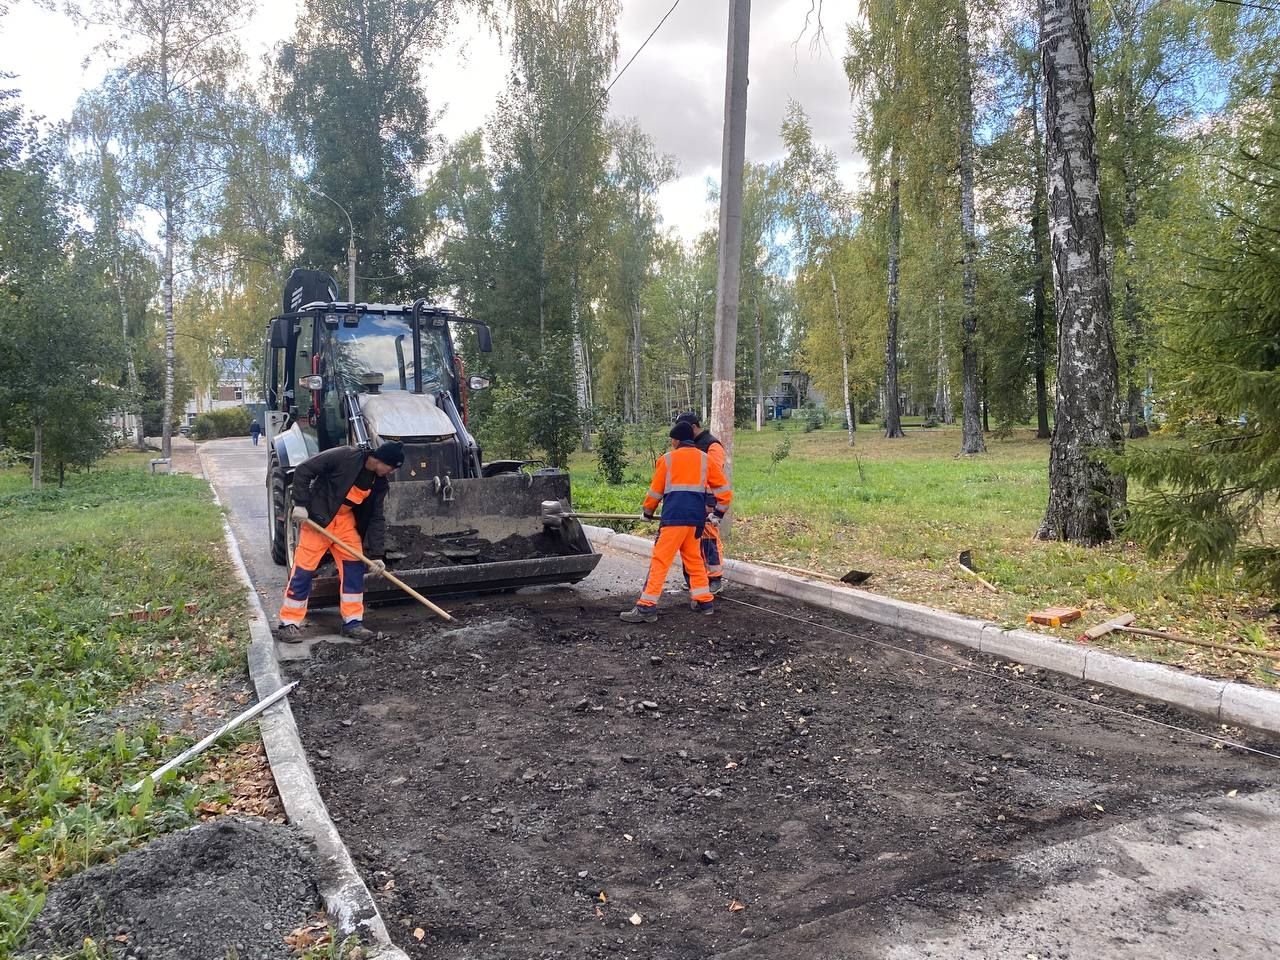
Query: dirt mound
x=232, y=884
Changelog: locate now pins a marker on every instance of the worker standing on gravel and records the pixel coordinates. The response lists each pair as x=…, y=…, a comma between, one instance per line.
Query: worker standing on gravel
x=712, y=546
x=342, y=490
x=681, y=481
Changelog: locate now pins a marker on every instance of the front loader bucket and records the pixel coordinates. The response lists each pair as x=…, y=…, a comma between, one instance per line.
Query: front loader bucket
x=475, y=536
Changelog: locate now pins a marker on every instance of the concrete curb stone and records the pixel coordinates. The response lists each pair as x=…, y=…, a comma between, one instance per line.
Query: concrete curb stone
x=347, y=900
x=1224, y=701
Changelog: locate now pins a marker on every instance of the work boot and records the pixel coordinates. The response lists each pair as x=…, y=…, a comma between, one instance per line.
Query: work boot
x=289, y=633
x=717, y=584
x=707, y=607
x=639, y=614
x=358, y=631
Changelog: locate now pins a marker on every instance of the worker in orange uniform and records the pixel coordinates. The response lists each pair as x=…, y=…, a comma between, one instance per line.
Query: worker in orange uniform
x=681, y=481
x=711, y=544
x=342, y=490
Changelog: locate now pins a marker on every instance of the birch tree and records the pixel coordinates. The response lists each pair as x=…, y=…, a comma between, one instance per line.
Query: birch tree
x=1084, y=493
x=174, y=62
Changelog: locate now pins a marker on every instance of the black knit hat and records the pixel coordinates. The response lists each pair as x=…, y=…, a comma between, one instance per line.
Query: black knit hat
x=391, y=453
x=690, y=417
x=682, y=431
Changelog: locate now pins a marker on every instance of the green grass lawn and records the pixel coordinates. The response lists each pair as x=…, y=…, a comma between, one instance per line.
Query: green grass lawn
x=113, y=539
x=904, y=509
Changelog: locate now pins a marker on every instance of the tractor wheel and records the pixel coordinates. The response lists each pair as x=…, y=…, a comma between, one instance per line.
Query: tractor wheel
x=278, y=505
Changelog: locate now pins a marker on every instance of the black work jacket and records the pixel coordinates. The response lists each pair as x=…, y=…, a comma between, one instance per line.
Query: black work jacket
x=321, y=483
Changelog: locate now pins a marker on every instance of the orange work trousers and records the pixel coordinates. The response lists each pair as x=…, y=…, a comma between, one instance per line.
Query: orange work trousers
x=306, y=559
x=670, y=541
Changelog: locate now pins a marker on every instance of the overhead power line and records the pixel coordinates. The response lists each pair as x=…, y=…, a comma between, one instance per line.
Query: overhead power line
x=1251, y=6
x=603, y=93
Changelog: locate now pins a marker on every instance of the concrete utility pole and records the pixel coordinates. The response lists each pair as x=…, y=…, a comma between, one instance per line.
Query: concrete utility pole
x=723, y=369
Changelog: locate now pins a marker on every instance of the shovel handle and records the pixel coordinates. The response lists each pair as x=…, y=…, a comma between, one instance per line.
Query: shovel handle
x=386, y=573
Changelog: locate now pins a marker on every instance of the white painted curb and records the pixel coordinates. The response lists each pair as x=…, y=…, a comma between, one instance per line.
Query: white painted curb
x=1222, y=700
x=346, y=898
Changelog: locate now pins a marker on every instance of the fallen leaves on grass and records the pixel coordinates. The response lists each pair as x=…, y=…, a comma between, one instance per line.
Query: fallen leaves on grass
x=316, y=932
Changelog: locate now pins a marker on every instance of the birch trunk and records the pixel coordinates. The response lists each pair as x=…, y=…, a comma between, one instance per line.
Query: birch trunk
x=843, y=334
x=892, y=415
x=1084, y=495
x=1132, y=314
x=971, y=428
x=637, y=346
x=37, y=453
x=1040, y=262
x=759, y=374
x=170, y=363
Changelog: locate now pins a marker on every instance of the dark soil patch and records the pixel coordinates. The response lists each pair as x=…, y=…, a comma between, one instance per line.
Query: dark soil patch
x=523, y=785
x=408, y=549
x=232, y=884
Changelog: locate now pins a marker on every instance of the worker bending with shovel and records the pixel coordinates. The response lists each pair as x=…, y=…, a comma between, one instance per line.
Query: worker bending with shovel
x=342, y=490
x=681, y=480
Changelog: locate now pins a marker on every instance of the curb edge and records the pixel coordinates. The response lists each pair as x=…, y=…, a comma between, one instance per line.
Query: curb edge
x=347, y=900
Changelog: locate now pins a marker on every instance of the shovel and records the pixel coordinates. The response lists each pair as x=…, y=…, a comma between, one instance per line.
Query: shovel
x=347, y=548
x=553, y=512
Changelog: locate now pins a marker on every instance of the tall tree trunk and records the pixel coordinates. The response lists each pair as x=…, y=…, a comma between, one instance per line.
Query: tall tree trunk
x=971, y=429
x=170, y=361
x=1084, y=494
x=581, y=375
x=892, y=415
x=1040, y=264
x=843, y=334
x=759, y=373
x=37, y=453
x=942, y=386
x=637, y=348
x=1132, y=313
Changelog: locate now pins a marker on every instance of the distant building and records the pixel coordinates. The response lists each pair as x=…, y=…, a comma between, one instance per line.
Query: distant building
x=792, y=389
x=235, y=384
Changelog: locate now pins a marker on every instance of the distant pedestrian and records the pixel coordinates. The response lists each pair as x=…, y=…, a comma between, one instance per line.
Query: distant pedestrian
x=255, y=431
x=681, y=480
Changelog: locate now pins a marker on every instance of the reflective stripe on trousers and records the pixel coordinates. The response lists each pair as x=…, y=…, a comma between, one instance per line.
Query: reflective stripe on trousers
x=670, y=541
x=306, y=558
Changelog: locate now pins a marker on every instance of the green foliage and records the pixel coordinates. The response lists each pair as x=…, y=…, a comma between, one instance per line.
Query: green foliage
x=228, y=422
x=57, y=354
x=539, y=412
x=611, y=455
x=110, y=540
x=779, y=453
x=1211, y=491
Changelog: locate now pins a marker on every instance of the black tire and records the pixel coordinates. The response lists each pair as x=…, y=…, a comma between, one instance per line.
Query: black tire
x=278, y=513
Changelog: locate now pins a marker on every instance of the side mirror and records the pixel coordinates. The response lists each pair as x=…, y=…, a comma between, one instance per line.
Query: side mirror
x=483, y=338
x=279, y=338
x=478, y=383
x=314, y=382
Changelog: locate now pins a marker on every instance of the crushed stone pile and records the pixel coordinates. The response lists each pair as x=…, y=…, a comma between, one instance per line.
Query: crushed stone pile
x=234, y=886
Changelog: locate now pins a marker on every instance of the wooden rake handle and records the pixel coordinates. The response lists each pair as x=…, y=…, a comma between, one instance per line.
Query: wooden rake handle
x=386, y=573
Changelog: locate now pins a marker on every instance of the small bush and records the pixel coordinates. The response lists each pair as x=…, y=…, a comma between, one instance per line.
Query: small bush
x=611, y=455
x=780, y=453
x=231, y=422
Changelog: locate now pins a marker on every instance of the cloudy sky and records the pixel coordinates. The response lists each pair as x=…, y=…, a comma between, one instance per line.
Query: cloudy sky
x=675, y=88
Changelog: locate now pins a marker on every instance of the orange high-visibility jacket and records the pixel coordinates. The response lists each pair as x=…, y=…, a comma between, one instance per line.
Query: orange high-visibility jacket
x=681, y=480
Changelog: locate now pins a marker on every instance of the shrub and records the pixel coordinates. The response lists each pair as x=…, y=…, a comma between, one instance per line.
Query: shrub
x=230, y=422
x=780, y=453
x=611, y=455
